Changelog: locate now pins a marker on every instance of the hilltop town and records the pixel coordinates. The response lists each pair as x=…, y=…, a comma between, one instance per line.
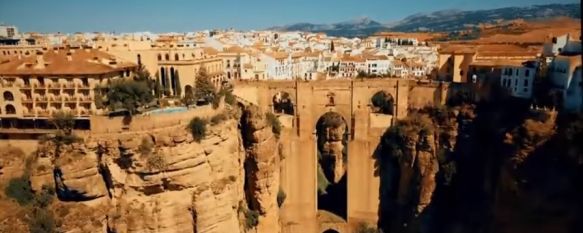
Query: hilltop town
x=257, y=131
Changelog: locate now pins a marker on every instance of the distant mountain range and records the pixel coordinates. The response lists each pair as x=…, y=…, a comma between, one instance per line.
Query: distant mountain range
x=439, y=21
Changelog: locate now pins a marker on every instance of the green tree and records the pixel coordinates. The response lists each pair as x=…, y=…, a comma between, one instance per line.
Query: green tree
x=63, y=121
x=157, y=88
x=332, y=46
x=142, y=74
x=204, y=88
x=128, y=94
x=362, y=74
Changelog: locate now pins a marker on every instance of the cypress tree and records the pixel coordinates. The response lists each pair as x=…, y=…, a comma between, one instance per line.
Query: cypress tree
x=157, y=87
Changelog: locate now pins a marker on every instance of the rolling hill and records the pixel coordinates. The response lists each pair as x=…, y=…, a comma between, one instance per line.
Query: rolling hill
x=439, y=21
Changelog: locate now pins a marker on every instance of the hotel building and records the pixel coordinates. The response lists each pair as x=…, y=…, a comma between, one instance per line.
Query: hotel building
x=33, y=87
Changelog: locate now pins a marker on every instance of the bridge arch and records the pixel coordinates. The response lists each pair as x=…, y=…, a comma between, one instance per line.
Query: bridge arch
x=332, y=158
x=382, y=102
x=283, y=103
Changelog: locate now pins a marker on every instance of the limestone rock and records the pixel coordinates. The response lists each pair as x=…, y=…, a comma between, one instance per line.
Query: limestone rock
x=78, y=177
x=262, y=169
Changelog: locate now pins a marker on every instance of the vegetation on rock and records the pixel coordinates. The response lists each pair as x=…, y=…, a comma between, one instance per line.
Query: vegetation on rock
x=218, y=118
x=274, y=123
x=19, y=189
x=197, y=127
x=280, y=197
x=366, y=228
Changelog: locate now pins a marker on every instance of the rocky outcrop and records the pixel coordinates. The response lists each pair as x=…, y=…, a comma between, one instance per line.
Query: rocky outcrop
x=418, y=166
x=178, y=185
x=77, y=174
x=332, y=148
x=261, y=168
x=149, y=182
x=417, y=154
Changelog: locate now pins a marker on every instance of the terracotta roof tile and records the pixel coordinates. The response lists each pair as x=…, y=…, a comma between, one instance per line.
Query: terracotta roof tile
x=53, y=63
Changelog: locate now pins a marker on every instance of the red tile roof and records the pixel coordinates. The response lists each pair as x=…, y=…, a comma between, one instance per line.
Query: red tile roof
x=82, y=62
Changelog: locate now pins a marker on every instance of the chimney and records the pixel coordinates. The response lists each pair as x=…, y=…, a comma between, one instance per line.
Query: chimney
x=69, y=57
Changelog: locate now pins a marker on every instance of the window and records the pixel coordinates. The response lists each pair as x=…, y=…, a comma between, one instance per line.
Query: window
x=10, y=109
x=527, y=73
x=526, y=82
x=159, y=57
x=8, y=96
x=517, y=70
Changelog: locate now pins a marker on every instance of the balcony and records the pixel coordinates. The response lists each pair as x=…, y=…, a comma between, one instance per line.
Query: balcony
x=86, y=99
x=68, y=85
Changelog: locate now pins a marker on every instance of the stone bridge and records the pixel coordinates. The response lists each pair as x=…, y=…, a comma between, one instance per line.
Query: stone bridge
x=352, y=100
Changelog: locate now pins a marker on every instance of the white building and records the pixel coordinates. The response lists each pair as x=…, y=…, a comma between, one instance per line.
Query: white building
x=8, y=31
x=565, y=75
x=518, y=80
x=377, y=65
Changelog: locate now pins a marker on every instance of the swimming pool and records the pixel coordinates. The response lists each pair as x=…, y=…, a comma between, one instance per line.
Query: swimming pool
x=166, y=110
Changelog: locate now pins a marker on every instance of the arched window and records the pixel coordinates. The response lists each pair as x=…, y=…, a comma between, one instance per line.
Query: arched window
x=159, y=57
x=383, y=102
x=176, y=57
x=8, y=96
x=167, y=56
x=10, y=109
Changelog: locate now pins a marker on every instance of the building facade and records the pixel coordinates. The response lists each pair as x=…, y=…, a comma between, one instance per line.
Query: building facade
x=35, y=87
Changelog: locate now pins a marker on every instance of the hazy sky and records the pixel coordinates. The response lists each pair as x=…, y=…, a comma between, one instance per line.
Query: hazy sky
x=190, y=15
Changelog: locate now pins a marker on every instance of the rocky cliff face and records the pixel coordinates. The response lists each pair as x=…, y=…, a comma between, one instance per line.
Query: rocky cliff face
x=156, y=182
x=415, y=156
x=262, y=167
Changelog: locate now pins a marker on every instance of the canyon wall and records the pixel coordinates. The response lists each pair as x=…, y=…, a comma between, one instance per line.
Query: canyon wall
x=159, y=182
x=263, y=168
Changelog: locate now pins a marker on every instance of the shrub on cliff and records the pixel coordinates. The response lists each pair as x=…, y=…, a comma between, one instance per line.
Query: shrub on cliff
x=280, y=197
x=251, y=219
x=273, y=121
x=156, y=162
x=399, y=135
x=216, y=119
x=230, y=98
x=197, y=127
x=146, y=146
x=366, y=228
x=20, y=190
